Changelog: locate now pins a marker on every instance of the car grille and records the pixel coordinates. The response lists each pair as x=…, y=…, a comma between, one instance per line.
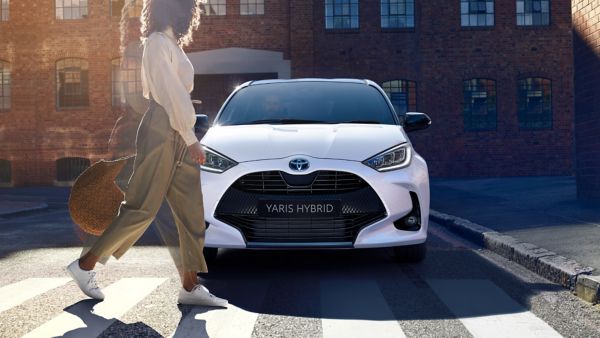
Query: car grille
x=360, y=206
x=318, y=182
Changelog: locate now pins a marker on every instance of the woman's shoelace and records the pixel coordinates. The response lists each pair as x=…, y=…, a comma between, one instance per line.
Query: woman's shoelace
x=92, y=280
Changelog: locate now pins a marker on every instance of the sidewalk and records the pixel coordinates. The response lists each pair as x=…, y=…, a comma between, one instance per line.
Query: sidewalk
x=21, y=200
x=540, y=210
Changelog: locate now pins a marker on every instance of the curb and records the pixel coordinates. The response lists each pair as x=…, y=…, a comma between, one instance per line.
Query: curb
x=23, y=210
x=545, y=263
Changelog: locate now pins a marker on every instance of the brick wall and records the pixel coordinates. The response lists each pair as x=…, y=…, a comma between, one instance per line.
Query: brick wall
x=437, y=54
x=586, y=35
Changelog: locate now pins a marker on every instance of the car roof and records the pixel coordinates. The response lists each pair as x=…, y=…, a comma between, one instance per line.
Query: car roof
x=308, y=79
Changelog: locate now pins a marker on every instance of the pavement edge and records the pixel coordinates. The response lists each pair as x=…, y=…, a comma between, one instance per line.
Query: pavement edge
x=550, y=265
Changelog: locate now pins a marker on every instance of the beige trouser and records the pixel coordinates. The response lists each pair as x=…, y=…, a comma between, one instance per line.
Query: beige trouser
x=162, y=168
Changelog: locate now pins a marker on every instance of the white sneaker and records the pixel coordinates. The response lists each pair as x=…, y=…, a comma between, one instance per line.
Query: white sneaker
x=200, y=296
x=86, y=280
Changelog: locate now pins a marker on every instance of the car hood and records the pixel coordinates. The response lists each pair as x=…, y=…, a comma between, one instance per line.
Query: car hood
x=355, y=142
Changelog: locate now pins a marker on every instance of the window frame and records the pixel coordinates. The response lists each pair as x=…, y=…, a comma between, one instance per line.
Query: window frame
x=252, y=4
x=63, y=161
x=63, y=7
x=397, y=28
x=4, y=11
x=332, y=3
x=549, y=116
x=82, y=84
x=409, y=84
x=469, y=14
x=217, y=5
x=5, y=164
x=469, y=126
x=525, y=26
x=6, y=65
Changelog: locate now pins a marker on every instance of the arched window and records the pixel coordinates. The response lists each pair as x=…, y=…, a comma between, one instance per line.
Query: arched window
x=5, y=172
x=71, y=9
x=479, y=109
x=126, y=79
x=4, y=10
x=397, y=13
x=535, y=103
x=68, y=168
x=403, y=94
x=72, y=83
x=5, y=86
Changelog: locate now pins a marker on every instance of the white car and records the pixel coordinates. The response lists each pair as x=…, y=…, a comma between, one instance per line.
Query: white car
x=314, y=163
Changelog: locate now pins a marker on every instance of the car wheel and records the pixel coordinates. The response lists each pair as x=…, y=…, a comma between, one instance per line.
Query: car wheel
x=410, y=253
x=210, y=254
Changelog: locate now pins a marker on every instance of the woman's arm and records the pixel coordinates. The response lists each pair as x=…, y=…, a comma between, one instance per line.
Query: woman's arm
x=166, y=87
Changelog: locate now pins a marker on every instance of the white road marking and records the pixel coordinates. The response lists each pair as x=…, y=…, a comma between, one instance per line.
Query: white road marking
x=232, y=321
x=17, y=293
x=356, y=308
x=81, y=320
x=486, y=311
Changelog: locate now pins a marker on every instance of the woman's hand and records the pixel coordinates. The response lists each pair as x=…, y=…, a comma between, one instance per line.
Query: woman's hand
x=197, y=153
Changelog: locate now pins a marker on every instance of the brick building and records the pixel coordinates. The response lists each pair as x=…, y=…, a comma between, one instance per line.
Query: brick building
x=496, y=76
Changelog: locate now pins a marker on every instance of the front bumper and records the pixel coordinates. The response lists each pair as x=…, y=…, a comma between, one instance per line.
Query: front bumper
x=393, y=189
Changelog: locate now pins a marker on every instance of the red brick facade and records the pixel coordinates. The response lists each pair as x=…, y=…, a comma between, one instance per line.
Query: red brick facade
x=586, y=36
x=437, y=54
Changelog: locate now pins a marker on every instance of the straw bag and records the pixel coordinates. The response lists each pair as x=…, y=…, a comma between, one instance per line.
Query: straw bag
x=95, y=197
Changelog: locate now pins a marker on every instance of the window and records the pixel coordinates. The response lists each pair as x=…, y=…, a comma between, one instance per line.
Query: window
x=403, y=95
x=479, y=104
x=68, y=168
x=341, y=14
x=252, y=7
x=72, y=83
x=71, y=9
x=134, y=8
x=218, y=7
x=535, y=103
x=126, y=80
x=533, y=12
x=5, y=171
x=4, y=10
x=116, y=8
x=476, y=13
x=4, y=86
x=397, y=13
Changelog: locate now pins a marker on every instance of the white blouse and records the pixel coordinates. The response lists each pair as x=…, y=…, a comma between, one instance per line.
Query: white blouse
x=168, y=74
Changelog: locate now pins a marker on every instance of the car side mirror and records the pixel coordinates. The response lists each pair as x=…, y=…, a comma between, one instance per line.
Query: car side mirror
x=416, y=121
x=201, y=125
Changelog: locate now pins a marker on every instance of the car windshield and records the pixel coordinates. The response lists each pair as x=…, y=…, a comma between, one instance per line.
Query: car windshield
x=305, y=103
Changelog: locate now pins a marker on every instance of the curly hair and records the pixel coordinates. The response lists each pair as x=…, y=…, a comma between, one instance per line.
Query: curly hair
x=182, y=15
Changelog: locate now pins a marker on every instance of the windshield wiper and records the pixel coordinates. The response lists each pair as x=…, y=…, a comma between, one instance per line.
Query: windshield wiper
x=282, y=121
x=362, y=121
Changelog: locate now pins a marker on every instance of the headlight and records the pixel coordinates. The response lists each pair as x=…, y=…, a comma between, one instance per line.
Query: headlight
x=215, y=162
x=391, y=159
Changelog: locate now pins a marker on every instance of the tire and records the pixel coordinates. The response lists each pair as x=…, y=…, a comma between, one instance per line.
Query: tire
x=410, y=253
x=210, y=255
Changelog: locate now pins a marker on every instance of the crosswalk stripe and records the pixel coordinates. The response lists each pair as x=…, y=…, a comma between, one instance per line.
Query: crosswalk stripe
x=81, y=320
x=356, y=308
x=486, y=311
x=17, y=293
x=220, y=322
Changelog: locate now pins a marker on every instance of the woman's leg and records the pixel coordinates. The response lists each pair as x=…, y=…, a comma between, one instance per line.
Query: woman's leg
x=152, y=173
x=185, y=199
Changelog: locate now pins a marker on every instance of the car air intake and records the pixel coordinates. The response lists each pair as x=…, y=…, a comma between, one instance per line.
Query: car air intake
x=357, y=202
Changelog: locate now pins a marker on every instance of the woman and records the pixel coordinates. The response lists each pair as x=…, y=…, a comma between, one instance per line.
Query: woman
x=168, y=156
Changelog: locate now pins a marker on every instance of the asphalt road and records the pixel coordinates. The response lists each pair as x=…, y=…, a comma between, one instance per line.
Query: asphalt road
x=459, y=291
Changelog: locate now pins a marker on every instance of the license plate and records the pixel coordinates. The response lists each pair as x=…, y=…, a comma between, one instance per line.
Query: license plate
x=286, y=208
